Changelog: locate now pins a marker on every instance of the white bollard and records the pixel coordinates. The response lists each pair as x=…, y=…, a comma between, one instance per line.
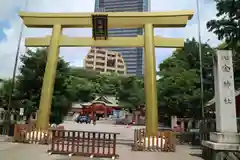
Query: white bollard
x=36, y=136
x=153, y=142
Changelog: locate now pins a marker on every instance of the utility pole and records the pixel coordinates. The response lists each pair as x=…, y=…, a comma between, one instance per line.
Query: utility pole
x=15, y=67
x=200, y=59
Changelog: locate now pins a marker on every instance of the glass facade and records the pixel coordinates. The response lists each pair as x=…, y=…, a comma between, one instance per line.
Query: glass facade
x=133, y=57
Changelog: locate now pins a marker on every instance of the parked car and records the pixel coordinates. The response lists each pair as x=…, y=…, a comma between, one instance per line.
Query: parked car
x=83, y=119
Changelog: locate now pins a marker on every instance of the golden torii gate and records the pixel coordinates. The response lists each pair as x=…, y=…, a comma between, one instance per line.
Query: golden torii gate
x=146, y=20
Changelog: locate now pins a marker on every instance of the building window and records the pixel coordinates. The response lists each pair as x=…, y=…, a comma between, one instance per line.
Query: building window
x=100, y=63
x=99, y=69
x=111, y=62
x=101, y=52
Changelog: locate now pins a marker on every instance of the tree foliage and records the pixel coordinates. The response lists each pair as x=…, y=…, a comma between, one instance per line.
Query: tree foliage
x=5, y=88
x=227, y=27
x=179, y=85
x=227, y=24
x=131, y=92
x=30, y=80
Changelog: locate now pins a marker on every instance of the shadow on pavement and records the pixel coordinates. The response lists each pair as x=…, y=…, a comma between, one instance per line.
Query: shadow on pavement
x=195, y=147
x=196, y=155
x=196, y=151
x=125, y=142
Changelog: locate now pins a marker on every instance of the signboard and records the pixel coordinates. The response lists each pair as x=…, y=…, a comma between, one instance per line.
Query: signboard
x=100, y=27
x=224, y=92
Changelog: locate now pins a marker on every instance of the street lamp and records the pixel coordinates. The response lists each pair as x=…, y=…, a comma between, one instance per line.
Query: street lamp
x=15, y=65
x=200, y=57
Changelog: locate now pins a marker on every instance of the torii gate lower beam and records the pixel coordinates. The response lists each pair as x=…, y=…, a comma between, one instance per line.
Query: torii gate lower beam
x=138, y=41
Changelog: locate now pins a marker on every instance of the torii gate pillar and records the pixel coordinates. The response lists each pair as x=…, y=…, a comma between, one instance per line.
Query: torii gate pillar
x=150, y=81
x=49, y=79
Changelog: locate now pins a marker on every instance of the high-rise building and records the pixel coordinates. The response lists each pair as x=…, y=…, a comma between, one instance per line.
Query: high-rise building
x=133, y=57
x=104, y=61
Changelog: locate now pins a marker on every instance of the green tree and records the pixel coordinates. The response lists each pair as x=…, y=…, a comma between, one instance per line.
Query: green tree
x=236, y=62
x=81, y=89
x=29, y=84
x=107, y=84
x=226, y=27
x=179, y=85
x=131, y=92
x=5, y=88
x=88, y=83
x=84, y=73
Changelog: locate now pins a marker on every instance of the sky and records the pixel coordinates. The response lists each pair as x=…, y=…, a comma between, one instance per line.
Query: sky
x=10, y=25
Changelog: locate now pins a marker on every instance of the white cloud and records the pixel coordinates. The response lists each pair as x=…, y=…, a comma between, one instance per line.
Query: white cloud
x=7, y=8
x=8, y=47
x=75, y=55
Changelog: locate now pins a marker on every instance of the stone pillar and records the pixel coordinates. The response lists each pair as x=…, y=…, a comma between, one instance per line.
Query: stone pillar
x=183, y=124
x=94, y=58
x=226, y=140
x=105, y=112
x=198, y=124
x=105, y=61
x=173, y=121
x=189, y=125
x=225, y=93
x=12, y=117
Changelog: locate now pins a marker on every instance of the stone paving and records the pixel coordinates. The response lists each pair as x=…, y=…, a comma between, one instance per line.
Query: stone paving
x=14, y=151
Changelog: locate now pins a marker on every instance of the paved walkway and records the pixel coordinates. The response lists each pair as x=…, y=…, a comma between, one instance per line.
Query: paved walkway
x=14, y=151
x=125, y=133
x=183, y=152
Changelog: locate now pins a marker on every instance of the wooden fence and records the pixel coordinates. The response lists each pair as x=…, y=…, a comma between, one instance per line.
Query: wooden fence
x=84, y=143
x=165, y=141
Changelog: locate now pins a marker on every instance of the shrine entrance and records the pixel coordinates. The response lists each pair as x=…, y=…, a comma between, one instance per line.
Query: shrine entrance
x=100, y=23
